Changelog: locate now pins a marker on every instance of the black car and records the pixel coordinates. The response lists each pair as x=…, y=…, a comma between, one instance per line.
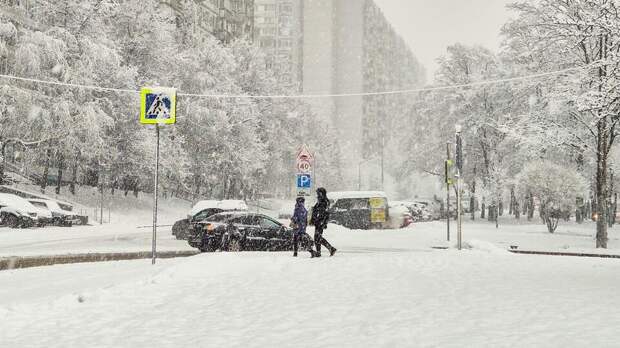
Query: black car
x=238, y=231
x=181, y=228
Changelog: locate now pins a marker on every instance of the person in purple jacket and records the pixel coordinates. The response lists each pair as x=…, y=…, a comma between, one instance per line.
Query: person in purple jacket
x=299, y=222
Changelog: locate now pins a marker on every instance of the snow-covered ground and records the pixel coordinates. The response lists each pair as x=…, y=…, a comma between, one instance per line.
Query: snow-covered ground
x=383, y=288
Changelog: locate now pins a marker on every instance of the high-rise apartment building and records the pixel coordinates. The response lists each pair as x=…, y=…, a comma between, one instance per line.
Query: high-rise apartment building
x=350, y=47
x=225, y=19
x=340, y=47
x=277, y=31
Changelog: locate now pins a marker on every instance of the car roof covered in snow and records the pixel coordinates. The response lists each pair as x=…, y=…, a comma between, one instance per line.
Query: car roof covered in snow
x=53, y=206
x=213, y=204
x=355, y=194
x=17, y=202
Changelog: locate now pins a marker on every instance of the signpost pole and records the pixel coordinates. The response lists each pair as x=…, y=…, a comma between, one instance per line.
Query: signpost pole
x=155, y=194
x=448, y=190
x=101, y=207
x=157, y=107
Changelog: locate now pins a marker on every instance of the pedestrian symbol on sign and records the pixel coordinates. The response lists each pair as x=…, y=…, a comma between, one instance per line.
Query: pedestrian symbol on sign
x=158, y=106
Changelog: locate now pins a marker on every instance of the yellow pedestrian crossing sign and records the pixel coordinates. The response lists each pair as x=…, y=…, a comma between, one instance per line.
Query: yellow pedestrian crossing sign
x=158, y=105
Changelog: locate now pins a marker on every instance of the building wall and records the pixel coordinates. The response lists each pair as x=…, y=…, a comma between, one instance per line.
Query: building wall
x=348, y=46
x=278, y=33
x=318, y=55
x=347, y=72
x=224, y=19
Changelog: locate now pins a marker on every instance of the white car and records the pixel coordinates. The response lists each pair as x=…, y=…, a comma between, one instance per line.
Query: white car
x=16, y=211
x=55, y=213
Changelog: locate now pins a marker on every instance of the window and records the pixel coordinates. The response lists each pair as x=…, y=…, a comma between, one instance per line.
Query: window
x=39, y=205
x=206, y=213
x=286, y=20
x=219, y=217
x=267, y=43
x=286, y=8
x=268, y=223
x=242, y=220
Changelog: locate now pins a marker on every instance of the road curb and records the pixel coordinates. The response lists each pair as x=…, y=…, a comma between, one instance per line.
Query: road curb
x=554, y=253
x=16, y=262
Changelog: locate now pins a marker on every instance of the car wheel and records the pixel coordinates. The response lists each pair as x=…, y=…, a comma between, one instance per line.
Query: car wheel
x=234, y=245
x=12, y=221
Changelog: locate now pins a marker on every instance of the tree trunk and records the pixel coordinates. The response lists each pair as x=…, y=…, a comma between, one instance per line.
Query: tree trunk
x=602, y=144
x=511, y=203
x=601, y=188
x=136, y=186
x=517, y=210
x=491, y=216
x=46, y=169
x=2, y=163
x=74, y=175
x=197, y=183
x=472, y=200
x=61, y=163
x=482, y=210
x=530, y=207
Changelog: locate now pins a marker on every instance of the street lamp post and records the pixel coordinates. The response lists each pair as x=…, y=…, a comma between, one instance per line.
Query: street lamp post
x=459, y=167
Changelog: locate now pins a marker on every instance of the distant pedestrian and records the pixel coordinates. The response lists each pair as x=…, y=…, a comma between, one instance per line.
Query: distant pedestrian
x=320, y=218
x=299, y=222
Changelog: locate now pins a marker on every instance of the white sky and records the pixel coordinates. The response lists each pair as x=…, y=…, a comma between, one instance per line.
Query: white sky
x=429, y=26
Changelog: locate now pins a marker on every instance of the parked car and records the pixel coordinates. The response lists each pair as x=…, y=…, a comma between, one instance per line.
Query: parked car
x=17, y=212
x=56, y=214
x=430, y=209
x=359, y=209
x=400, y=215
x=238, y=231
x=201, y=211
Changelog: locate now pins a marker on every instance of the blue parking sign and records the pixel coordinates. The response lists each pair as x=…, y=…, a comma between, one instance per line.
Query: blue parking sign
x=304, y=181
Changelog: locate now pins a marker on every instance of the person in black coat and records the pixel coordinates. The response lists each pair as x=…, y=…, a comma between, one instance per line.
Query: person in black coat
x=320, y=218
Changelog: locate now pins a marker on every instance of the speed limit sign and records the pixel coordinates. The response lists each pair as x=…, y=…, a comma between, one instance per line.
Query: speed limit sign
x=304, y=166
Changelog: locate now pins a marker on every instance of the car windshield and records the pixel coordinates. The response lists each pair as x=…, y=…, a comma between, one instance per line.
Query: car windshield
x=39, y=204
x=222, y=217
x=206, y=213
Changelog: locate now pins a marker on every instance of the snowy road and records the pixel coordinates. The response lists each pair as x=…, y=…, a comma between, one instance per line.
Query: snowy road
x=385, y=288
x=84, y=239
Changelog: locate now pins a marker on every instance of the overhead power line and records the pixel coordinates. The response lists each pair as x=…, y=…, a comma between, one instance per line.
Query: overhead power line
x=303, y=96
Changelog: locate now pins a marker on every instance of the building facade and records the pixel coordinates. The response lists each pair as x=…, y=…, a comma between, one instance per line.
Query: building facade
x=224, y=19
x=350, y=47
x=277, y=31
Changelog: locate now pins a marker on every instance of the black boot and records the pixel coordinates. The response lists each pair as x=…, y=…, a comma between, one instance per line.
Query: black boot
x=332, y=251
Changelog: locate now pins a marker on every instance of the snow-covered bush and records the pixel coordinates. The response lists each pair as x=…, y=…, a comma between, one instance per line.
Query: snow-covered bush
x=555, y=186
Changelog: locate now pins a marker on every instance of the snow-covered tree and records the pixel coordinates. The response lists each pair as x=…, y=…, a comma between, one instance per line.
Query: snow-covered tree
x=581, y=107
x=555, y=186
